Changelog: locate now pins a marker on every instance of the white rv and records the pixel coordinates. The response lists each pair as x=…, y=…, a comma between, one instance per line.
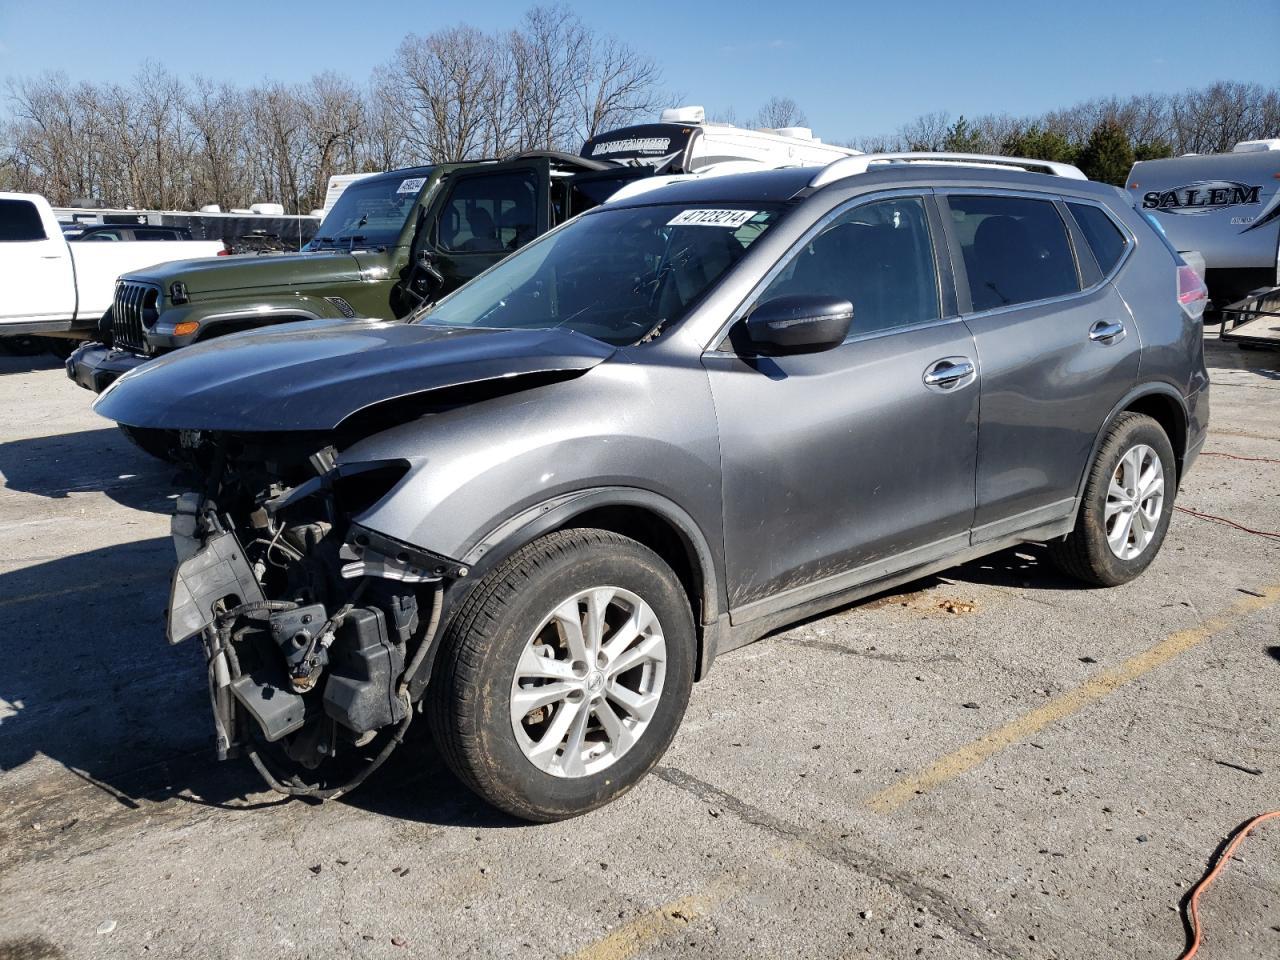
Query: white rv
x=683, y=141
x=1226, y=206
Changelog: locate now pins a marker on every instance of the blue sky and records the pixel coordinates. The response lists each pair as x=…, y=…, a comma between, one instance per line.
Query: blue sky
x=856, y=68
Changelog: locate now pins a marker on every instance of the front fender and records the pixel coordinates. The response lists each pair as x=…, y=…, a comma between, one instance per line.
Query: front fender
x=483, y=476
x=217, y=317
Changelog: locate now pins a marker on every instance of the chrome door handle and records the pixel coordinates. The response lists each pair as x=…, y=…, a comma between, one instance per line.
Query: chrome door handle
x=946, y=373
x=1107, y=331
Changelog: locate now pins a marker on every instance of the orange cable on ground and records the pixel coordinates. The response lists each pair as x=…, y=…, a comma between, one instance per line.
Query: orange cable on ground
x=1229, y=523
x=1232, y=456
x=1192, y=914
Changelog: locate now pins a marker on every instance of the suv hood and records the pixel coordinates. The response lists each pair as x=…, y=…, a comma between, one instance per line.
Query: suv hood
x=312, y=376
x=251, y=270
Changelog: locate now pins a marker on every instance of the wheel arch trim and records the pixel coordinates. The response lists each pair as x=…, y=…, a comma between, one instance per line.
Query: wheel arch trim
x=1163, y=391
x=558, y=512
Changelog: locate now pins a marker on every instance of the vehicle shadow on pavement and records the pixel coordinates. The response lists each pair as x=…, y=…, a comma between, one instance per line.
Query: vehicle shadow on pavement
x=19, y=363
x=89, y=461
x=89, y=682
x=1027, y=565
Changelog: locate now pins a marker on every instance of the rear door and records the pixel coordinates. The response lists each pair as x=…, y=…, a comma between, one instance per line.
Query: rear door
x=36, y=273
x=1056, y=347
x=844, y=466
x=485, y=215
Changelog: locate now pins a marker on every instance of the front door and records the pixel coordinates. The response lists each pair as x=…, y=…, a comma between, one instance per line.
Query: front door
x=1055, y=359
x=844, y=466
x=35, y=265
x=484, y=216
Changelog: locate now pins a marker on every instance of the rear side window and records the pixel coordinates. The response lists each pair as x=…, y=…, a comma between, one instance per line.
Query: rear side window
x=1104, y=237
x=1015, y=250
x=879, y=257
x=19, y=221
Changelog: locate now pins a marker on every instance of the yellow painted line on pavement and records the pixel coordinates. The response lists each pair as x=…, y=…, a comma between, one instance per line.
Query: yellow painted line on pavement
x=632, y=937
x=978, y=751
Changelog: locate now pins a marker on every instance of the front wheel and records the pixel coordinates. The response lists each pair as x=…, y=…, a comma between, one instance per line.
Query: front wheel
x=1127, y=503
x=563, y=677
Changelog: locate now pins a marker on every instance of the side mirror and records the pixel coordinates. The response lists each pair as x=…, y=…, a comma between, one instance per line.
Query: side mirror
x=799, y=324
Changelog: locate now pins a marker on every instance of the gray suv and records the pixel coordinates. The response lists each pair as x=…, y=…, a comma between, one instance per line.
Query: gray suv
x=538, y=511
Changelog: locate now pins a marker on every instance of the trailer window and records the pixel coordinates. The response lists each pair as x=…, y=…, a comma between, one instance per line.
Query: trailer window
x=20, y=222
x=1104, y=237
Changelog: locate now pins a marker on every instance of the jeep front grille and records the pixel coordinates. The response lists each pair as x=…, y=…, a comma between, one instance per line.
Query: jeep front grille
x=133, y=312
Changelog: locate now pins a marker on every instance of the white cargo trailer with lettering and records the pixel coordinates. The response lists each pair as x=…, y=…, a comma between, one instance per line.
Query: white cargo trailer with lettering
x=684, y=141
x=1226, y=206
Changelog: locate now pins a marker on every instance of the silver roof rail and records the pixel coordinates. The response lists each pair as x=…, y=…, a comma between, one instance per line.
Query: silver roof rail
x=852, y=166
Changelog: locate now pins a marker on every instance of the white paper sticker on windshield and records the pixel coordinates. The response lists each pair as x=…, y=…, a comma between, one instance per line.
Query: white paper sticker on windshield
x=412, y=185
x=711, y=218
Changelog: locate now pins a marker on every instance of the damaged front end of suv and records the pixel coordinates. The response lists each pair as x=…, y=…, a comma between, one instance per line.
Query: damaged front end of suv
x=317, y=631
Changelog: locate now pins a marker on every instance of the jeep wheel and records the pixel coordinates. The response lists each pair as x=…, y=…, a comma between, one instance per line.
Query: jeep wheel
x=564, y=675
x=1128, y=500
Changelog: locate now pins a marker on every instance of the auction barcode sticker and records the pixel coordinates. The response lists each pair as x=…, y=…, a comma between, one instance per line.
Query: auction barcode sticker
x=711, y=218
x=412, y=185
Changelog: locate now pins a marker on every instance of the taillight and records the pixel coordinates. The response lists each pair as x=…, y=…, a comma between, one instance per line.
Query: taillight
x=225, y=251
x=1193, y=295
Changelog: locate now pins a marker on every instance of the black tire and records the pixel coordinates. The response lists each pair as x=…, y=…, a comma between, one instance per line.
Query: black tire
x=161, y=444
x=62, y=347
x=469, y=698
x=1084, y=553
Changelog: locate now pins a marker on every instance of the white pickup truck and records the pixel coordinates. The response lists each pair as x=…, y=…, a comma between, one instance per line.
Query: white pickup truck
x=52, y=288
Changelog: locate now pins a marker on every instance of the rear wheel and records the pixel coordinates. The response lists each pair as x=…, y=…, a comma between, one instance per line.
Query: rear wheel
x=564, y=676
x=1127, y=503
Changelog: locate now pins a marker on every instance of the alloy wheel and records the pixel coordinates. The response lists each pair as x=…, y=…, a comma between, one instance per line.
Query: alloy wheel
x=588, y=682
x=1135, y=502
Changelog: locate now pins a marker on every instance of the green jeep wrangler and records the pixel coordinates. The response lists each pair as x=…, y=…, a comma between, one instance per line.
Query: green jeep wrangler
x=392, y=242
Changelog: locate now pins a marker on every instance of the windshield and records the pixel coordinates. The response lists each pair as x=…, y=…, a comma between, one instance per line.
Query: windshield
x=614, y=275
x=369, y=213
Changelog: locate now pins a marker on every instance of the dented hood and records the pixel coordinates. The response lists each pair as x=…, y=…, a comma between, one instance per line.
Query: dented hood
x=312, y=376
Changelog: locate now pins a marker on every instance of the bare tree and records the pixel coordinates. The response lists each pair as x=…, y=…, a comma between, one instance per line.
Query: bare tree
x=928, y=132
x=445, y=82
x=618, y=86
x=780, y=112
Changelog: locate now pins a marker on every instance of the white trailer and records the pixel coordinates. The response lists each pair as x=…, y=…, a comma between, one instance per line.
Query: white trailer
x=1224, y=205
x=684, y=141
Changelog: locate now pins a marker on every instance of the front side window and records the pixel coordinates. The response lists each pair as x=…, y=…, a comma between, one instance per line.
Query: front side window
x=1015, y=249
x=613, y=274
x=20, y=222
x=1100, y=232
x=879, y=257
x=490, y=214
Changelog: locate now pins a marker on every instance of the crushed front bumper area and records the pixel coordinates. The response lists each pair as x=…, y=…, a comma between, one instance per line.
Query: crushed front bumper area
x=95, y=366
x=311, y=681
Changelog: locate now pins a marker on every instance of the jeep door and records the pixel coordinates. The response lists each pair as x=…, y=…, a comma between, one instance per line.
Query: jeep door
x=847, y=465
x=484, y=215
x=1056, y=348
